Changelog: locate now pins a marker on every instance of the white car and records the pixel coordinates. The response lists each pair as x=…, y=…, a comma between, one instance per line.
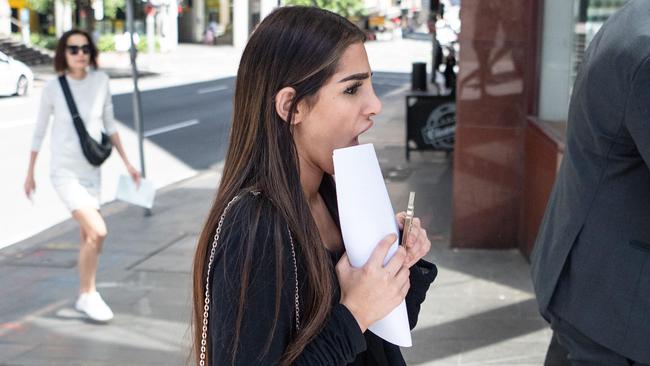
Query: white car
x=15, y=77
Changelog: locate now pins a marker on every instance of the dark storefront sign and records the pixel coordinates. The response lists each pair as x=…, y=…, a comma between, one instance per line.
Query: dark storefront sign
x=430, y=122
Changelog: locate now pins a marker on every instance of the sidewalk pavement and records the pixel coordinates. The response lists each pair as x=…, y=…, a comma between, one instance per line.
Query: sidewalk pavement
x=480, y=310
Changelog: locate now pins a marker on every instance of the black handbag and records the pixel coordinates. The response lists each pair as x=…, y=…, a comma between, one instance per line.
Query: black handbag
x=96, y=153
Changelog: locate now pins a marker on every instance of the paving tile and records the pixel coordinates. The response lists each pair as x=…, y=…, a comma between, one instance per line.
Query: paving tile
x=48, y=258
x=12, y=351
x=177, y=257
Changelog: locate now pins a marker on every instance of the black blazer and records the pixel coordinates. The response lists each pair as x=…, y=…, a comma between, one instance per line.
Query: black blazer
x=591, y=262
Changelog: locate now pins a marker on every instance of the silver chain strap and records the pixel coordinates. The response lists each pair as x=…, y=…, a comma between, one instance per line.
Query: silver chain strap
x=206, y=306
x=295, y=275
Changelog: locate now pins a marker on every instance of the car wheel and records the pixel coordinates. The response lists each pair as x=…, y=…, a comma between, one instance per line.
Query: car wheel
x=22, y=86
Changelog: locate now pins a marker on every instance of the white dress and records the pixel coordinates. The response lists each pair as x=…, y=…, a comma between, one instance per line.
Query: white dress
x=76, y=181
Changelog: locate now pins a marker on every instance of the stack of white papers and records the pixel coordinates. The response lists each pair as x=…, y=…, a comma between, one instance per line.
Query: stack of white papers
x=142, y=196
x=367, y=216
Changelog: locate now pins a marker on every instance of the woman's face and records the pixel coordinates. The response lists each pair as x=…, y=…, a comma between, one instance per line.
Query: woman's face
x=77, y=52
x=343, y=110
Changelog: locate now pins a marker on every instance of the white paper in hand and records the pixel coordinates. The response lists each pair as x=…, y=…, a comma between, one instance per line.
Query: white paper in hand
x=367, y=216
x=141, y=196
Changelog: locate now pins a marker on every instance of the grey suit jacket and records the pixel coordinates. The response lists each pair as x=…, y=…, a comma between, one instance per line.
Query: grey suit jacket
x=591, y=262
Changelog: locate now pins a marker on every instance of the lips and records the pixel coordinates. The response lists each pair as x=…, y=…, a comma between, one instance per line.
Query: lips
x=355, y=141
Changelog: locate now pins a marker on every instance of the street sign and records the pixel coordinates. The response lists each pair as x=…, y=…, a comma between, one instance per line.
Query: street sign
x=18, y=4
x=430, y=122
x=376, y=21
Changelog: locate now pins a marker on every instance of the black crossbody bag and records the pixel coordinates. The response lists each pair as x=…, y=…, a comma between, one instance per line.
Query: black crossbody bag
x=96, y=153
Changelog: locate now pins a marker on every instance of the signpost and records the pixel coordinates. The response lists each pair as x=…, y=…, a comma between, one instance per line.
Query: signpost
x=137, y=107
x=24, y=25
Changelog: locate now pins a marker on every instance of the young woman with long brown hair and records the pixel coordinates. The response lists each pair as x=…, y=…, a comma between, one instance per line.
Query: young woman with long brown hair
x=272, y=283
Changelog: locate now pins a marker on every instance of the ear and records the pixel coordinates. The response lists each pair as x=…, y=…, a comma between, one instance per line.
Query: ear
x=283, y=102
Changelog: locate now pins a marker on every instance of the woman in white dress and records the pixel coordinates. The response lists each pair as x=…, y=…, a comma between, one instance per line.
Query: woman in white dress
x=75, y=180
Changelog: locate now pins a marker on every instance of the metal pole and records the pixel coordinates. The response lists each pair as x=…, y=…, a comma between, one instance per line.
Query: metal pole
x=137, y=108
x=77, y=13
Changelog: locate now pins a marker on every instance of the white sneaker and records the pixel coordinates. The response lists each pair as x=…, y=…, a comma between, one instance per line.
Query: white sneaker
x=94, y=306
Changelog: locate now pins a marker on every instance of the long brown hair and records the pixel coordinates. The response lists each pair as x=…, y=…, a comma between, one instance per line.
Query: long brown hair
x=299, y=47
x=60, y=63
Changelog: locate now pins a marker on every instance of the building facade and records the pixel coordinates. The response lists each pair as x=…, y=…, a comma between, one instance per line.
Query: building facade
x=222, y=21
x=518, y=60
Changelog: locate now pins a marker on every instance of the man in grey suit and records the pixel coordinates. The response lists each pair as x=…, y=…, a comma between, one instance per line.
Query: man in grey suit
x=591, y=263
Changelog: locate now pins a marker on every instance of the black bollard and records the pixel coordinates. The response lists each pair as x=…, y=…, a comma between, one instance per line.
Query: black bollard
x=419, y=76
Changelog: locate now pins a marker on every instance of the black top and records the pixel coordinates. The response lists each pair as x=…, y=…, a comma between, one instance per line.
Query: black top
x=340, y=342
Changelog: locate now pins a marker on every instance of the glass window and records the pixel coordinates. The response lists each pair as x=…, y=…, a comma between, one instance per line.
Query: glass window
x=589, y=17
x=568, y=27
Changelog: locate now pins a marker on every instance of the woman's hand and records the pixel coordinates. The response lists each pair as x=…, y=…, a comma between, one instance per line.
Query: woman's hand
x=417, y=244
x=373, y=291
x=29, y=186
x=134, y=173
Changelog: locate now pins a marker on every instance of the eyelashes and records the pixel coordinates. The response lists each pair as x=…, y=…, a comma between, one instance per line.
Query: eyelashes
x=352, y=90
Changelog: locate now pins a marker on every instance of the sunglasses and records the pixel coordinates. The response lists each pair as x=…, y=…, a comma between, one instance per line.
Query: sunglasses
x=73, y=50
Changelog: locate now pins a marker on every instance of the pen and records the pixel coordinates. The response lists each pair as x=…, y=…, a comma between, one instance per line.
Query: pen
x=410, y=209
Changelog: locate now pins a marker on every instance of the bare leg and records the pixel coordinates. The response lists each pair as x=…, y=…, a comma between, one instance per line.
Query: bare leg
x=93, y=232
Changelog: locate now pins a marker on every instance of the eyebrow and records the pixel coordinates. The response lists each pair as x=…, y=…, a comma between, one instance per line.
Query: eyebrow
x=359, y=76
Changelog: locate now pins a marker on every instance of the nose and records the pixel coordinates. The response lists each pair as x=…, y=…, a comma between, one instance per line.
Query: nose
x=374, y=104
